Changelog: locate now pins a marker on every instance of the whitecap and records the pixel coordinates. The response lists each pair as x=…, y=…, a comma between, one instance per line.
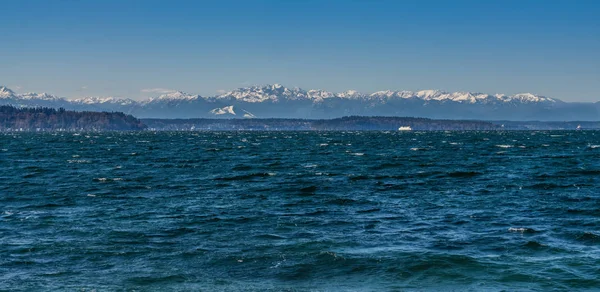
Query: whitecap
x=504, y=146
x=78, y=161
x=309, y=165
x=517, y=229
x=358, y=154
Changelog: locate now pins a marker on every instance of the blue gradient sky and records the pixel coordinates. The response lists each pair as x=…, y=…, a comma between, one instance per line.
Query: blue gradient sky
x=126, y=48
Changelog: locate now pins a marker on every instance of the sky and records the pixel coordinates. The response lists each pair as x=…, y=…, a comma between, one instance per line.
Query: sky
x=144, y=48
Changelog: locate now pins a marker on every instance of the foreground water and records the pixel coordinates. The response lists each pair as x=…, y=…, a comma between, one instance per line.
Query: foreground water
x=361, y=211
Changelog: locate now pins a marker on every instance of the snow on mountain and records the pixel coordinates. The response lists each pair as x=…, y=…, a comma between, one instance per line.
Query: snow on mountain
x=30, y=98
x=460, y=96
x=103, y=100
x=223, y=111
x=174, y=96
x=351, y=94
x=248, y=114
x=319, y=95
x=273, y=93
x=428, y=94
x=278, y=93
x=390, y=94
x=6, y=93
x=528, y=97
x=40, y=96
x=229, y=110
x=385, y=94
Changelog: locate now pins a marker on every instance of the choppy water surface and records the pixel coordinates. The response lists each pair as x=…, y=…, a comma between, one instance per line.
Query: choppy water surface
x=300, y=211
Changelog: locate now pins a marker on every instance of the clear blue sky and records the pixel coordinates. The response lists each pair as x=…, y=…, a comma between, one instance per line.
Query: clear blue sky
x=126, y=48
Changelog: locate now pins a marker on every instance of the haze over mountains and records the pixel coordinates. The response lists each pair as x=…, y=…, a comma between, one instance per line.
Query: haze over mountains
x=277, y=101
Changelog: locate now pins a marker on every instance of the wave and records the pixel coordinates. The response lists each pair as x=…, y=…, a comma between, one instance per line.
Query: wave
x=522, y=230
x=246, y=176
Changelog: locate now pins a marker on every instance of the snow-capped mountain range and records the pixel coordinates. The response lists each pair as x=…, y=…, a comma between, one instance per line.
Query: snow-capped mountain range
x=277, y=92
x=277, y=101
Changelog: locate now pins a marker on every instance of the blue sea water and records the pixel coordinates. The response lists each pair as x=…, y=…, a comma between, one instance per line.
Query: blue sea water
x=300, y=211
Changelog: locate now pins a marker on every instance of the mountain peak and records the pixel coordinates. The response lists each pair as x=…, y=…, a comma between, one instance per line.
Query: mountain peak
x=530, y=97
x=40, y=96
x=351, y=94
x=104, y=100
x=4, y=89
x=319, y=95
x=227, y=110
x=264, y=93
x=429, y=93
x=5, y=92
x=177, y=95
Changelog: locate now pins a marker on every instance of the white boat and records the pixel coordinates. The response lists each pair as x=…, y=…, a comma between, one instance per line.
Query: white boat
x=405, y=128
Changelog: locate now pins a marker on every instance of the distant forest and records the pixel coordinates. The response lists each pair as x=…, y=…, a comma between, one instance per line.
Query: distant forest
x=43, y=119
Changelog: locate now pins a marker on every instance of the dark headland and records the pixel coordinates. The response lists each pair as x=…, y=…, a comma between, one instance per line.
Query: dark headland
x=50, y=119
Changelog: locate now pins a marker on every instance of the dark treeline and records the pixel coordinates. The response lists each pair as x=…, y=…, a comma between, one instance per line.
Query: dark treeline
x=42, y=118
x=345, y=123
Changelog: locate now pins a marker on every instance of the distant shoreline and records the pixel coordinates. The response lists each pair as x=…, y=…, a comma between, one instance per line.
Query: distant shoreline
x=14, y=119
